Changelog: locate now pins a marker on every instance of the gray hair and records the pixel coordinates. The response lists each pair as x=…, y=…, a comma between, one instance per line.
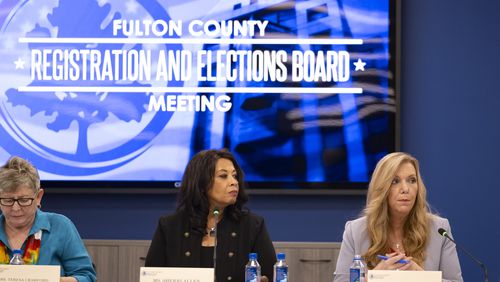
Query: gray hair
x=18, y=172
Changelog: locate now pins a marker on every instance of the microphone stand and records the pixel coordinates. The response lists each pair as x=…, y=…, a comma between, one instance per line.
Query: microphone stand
x=444, y=233
x=216, y=217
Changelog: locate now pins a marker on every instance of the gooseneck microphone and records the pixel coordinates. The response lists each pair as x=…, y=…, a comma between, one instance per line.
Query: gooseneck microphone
x=215, y=213
x=444, y=233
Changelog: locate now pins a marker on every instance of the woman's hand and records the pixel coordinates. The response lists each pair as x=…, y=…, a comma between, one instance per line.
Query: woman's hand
x=392, y=262
x=68, y=279
x=413, y=265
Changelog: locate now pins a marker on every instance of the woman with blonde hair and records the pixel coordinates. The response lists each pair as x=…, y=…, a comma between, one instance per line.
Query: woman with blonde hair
x=398, y=223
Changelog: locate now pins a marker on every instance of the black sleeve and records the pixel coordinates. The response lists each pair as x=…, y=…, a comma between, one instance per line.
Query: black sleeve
x=156, y=253
x=265, y=250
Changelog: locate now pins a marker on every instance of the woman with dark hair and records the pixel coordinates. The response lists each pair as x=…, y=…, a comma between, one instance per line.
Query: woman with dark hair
x=212, y=182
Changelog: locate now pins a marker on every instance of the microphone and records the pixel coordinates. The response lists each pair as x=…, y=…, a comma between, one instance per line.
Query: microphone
x=215, y=213
x=444, y=233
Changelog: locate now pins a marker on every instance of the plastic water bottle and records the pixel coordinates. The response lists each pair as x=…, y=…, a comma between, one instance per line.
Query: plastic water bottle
x=358, y=270
x=252, y=269
x=17, y=257
x=280, y=269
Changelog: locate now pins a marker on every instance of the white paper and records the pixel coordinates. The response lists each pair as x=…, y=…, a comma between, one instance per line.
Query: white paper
x=177, y=274
x=32, y=273
x=406, y=276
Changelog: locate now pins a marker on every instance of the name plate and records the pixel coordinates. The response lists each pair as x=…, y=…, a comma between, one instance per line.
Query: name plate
x=406, y=275
x=176, y=274
x=31, y=273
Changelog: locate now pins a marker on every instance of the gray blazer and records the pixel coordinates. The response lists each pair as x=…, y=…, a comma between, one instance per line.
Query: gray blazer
x=441, y=253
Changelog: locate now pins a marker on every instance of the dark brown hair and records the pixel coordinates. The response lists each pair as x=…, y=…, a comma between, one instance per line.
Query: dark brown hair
x=197, y=179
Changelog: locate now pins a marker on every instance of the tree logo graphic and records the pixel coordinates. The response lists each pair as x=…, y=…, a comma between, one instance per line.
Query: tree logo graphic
x=119, y=124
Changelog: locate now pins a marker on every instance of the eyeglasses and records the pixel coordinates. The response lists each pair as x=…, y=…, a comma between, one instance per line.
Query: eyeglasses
x=23, y=202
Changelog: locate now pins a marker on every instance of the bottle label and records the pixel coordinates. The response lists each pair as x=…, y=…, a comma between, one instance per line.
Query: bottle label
x=281, y=274
x=355, y=275
x=251, y=275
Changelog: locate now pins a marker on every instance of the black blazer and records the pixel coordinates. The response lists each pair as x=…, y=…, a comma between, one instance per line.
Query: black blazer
x=176, y=245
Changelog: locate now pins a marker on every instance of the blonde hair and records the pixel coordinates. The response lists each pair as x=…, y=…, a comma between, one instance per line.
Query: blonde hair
x=416, y=227
x=18, y=172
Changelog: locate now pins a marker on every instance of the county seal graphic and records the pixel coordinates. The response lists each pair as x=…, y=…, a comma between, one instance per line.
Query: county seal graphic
x=68, y=132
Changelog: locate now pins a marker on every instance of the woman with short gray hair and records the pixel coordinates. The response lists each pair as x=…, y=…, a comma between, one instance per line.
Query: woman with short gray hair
x=44, y=238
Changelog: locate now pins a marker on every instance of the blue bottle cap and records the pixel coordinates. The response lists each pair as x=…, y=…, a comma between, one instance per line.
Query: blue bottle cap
x=252, y=256
x=17, y=252
x=280, y=256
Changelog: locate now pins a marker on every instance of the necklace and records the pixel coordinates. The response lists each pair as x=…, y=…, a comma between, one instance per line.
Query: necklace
x=211, y=232
x=399, y=248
